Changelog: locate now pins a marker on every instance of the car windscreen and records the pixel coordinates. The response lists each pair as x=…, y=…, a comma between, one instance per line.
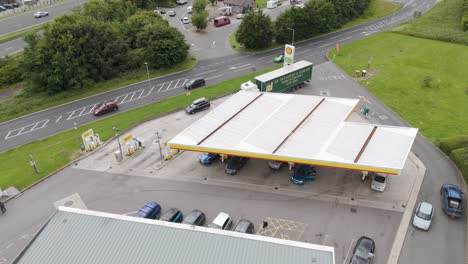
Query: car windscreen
x=362, y=252
x=423, y=215
x=379, y=178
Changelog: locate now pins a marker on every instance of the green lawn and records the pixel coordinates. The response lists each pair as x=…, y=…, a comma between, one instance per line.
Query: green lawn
x=442, y=22
x=400, y=64
x=58, y=150
x=21, y=105
x=376, y=9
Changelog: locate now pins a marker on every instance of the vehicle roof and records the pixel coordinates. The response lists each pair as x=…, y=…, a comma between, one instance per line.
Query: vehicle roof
x=221, y=218
x=425, y=208
x=221, y=17
x=243, y=223
x=453, y=191
x=282, y=71
x=200, y=100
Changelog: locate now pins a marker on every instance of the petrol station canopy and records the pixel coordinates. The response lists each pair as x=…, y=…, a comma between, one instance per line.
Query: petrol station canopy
x=300, y=129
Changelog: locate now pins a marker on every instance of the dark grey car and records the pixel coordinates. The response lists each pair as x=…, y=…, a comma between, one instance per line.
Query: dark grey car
x=235, y=164
x=195, y=217
x=195, y=83
x=197, y=106
x=244, y=226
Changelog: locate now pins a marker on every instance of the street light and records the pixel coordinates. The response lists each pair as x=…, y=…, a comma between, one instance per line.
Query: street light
x=118, y=141
x=147, y=72
x=292, y=44
x=77, y=135
x=159, y=143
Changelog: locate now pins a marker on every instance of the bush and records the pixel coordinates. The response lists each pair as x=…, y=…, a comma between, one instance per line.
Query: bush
x=447, y=145
x=465, y=15
x=10, y=71
x=426, y=82
x=460, y=158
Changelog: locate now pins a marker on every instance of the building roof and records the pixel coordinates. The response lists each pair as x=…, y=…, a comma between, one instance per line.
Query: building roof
x=81, y=236
x=298, y=128
x=283, y=70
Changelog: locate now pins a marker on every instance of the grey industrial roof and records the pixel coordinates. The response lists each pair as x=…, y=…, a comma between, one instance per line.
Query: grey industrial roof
x=81, y=236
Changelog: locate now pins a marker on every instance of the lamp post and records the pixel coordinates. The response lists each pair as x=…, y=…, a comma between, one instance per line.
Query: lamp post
x=159, y=144
x=118, y=141
x=147, y=72
x=77, y=135
x=292, y=44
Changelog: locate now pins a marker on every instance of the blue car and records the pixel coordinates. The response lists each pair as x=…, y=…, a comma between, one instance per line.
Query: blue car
x=302, y=174
x=172, y=215
x=452, y=200
x=208, y=158
x=150, y=210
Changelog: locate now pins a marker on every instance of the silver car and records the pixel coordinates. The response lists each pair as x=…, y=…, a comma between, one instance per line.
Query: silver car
x=222, y=221
x=41, y=14
x=423, y=216
x=379, y=182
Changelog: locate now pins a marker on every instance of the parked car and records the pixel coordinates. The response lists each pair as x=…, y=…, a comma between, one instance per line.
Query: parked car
x=172, y=215
x=181, y=2
x=185, y=20
x=379, y=182
x=198, y=105
x=2, y=8
x=15, y=4
x=240, y=16
x=452, y=200
x=222, y=221
x=9, y=6
x=303, y=173
x=423, y=216
x=221, y=21
x=208, y=158
x=235, y=164
x=40, y=14
x=171, y=13
x=150, y=210
x=159, y=11
x=195, y=217
x=279, y=58
x=363, y=251
x=298, y=6
x=244, y=226
x=195, y=83
x=189, y=10
x=106, y=107
x=275, y=165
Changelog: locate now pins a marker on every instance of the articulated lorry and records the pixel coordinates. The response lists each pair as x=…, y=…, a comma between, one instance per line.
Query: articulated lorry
x=286, y=79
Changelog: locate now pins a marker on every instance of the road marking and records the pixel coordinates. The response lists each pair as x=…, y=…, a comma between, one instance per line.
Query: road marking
x=58, y=119
x=81, y=113
x=341, y=40
x=237, y=67
x=325, y=45
x=349, y=249
x=316, y=42
x=243, y=69
x=359, y=29
x=27, y=129
x=92, y=108
x=216, y=76
x=214, y=44
x=198, y=74
x=303, y=51
x=124, y=99
x=337, y=36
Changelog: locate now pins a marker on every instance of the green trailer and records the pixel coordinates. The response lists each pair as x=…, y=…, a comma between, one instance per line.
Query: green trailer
x=286, y=79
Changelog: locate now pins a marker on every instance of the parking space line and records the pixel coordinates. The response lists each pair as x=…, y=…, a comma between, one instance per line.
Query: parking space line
x=92, y=108
x=58, y=119
x=170, y=84
x=81, y=113
x=123, y=100
x=349, y=249
x=133, y=94
x=162, y=85
x=177, y=83
x=72, y=113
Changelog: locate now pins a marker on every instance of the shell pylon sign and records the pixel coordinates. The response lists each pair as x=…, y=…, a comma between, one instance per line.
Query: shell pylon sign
x=288, y=55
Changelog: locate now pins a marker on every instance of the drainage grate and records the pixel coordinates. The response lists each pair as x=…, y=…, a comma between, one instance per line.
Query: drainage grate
x=353, y=210
x=324, y=93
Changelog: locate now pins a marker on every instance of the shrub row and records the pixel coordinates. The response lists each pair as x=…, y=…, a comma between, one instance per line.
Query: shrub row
x=465, y=15
x=457, y=149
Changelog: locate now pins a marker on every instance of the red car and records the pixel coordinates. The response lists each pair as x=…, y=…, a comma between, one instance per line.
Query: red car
x=106, y=107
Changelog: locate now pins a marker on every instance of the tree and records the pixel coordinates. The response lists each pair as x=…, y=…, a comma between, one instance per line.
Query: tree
x=136, y=23
x=200, y=20
x=199, y=6
x=108, y=10
x=255, y=31
x=163, y=46
x=344, y=11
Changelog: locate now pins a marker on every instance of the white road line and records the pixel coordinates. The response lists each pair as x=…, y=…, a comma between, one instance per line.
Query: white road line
x=43, y=124
x=133, y=94
x=337, y=36
x=341, y=40
x=123, y=100
x=177, y=83
x=162, y=85
x=81, y=113
x=198, y=74
x=159, y=90
x=328, y=44
x=58, y=119
x=150, y=91
x=241, y=69
x=72, y=113
x=316, y=42
x=349, y=249
x=92, y=108
x=303, y=51
x=9, y=48
x=31, y=128
x=184, y=83
x=216, y=76
x=169, y=86
x=142, y=90
x=235, y=65
x=264, y=57
x=359, y=29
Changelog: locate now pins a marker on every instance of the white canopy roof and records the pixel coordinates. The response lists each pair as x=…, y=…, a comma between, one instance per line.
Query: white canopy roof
x=300, y=129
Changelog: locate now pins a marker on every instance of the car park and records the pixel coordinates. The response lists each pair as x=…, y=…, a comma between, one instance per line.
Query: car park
x=189, y=10
x=208, y=158
x=172, y=215
x=222, y=221
x=40, y=14
x=423, y=216
x=150, y=210
x=363, y=251
x=379, y=182
x=275, y=165
x=235, y=164
x=185, y=20
x=303, y=173
x=244, y=226
x=105, y=107
x=171, y=13
x=279, y=58
x=452, y=200
x=198, y=105
x=195, y=83
x=195, y=217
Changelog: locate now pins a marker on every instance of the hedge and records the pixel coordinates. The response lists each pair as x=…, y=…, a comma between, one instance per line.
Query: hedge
x=465, y=15
x=447, y=145
x=460, y=158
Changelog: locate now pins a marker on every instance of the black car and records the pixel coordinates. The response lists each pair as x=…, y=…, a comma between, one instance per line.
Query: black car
x=235, y=164
x=195, y=83
x=15, y=5
x=196, y=217
x=363, y=251
x=172, y=215
x=198, y=105
x=244, y=226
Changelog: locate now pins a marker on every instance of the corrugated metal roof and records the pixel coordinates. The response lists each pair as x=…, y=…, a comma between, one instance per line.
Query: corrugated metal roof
x=282, y=71
x=82, y=236
x=298, y=128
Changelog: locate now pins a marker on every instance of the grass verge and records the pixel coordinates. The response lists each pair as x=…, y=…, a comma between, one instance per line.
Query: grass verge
x=376, y=9
x=427, y=89
x=56, y=151
x=20, y=33
x=21, y=105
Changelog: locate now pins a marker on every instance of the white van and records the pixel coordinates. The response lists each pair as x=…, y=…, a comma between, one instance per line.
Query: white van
x=189, y=9
x=271, y=4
